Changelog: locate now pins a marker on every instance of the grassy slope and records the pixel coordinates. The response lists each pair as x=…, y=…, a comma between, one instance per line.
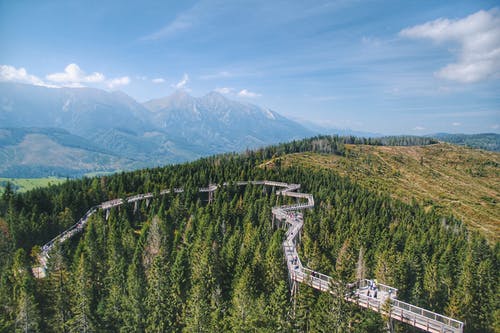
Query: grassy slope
x=26, y=184
x=453, y=179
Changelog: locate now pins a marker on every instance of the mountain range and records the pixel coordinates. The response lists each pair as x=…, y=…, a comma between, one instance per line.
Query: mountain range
x=70, y=132
x=75, y=131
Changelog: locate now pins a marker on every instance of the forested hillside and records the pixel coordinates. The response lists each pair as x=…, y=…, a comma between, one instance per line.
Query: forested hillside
x=487, y=141
x=451, y=179
x=183, y=265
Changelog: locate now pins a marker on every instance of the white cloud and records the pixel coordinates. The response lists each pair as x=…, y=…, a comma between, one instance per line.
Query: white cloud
x=246, y=93
x=418, y=128
x=224, y=90
x=74, y=76
x=182, y=83
x=456, y=123
x=218, y=75
x=495, y=126
x=180, y=23
x=73, y=85
x=158, y=80
x=10, y=73
x=184, y=21
x=479, y=38
x=119, y=81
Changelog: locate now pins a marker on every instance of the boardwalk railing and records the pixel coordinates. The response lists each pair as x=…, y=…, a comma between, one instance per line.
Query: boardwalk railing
x=383, y=300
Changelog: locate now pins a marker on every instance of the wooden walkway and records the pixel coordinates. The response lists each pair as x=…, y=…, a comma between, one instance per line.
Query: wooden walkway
x=384, y=301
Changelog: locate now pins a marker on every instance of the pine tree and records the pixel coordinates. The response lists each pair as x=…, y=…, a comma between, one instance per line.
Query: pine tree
x=81, y=302
x=27, y=317
x=7, y=301
x=433, y=286
x=115, y=279
x=134, y=308
x=278, y=310
x=243, y=310
x=159, y=311
x=334, y=309
x=58, y=281
x=274, y=267
x=486, y=294
x=200, y=302
x=27, y=313
x=361, y=265
x=197, y=318
x=344, y=265
x=304, y=308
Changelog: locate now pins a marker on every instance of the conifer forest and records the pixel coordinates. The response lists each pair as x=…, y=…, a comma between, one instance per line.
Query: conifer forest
x=182, y=264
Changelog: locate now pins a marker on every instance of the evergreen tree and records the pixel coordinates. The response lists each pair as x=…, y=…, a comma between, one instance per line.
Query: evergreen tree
x=134, y=308
x=200, y=300
x=27, y=317
x=243, y=316
x=278, y=309
x=336, y=311
x=27, y=314
x=159, y=316
x=81, y=302
x=114, y=280
x=58, y=289
x=361, y=265
x=304, y=309
x=178, y=286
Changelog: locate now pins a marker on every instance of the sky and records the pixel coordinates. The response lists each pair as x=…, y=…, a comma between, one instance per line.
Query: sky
x=391, y=67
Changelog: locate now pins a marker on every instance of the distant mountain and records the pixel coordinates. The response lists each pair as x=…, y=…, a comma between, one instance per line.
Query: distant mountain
x=41, y=152
x=80, y=111
x=121, y=133
x=219, y=124
x=332, y=130
x=486, y=141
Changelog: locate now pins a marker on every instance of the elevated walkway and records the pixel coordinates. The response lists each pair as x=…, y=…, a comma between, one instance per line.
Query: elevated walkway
x=384, y=301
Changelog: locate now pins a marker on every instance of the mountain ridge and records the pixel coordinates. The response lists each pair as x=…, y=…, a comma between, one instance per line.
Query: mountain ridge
x=172, y=129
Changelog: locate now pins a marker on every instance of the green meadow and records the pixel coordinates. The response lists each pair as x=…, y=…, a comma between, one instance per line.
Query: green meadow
x=26, y=184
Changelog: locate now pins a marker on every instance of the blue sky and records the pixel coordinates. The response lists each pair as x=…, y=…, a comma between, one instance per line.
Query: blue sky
x=391, y=67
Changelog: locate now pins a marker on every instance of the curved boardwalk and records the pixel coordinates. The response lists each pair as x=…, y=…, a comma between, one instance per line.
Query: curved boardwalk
x=383, y=301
